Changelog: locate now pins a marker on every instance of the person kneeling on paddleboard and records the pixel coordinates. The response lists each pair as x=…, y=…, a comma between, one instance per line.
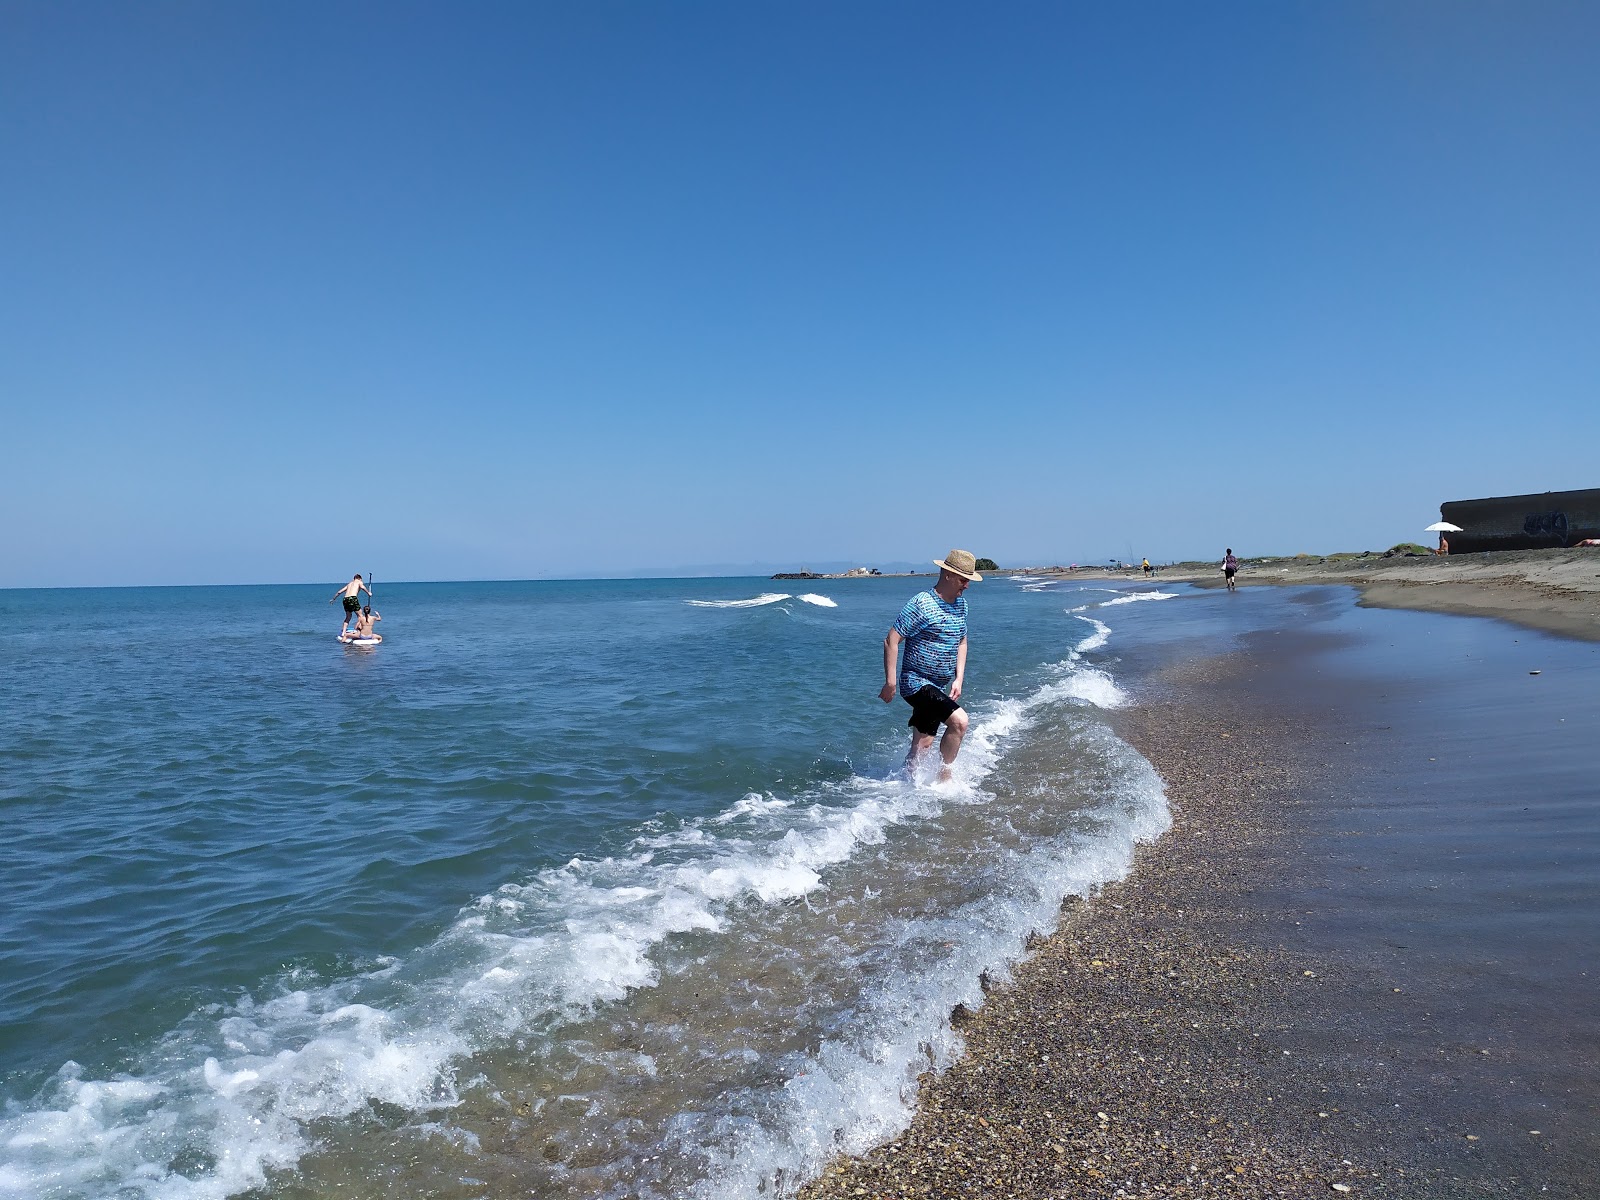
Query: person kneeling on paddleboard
x=365, y=622
x=363, y=634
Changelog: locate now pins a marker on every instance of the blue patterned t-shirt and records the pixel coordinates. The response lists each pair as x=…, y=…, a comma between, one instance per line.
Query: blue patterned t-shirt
x=933, y=629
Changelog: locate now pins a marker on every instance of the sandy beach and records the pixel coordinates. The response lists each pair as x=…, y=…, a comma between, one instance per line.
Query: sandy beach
x=1212, y=1025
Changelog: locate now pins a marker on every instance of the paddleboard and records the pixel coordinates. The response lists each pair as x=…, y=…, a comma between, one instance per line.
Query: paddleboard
x=361, y=641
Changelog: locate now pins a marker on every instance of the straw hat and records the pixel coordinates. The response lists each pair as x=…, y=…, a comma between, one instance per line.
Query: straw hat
x=960, y=562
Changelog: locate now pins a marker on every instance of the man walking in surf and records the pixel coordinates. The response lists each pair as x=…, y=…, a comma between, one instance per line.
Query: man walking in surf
x=933, y=626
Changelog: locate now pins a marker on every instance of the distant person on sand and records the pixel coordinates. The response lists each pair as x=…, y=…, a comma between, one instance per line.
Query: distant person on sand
x=933, y=626
x=1444, y=543
x=1148, y=569
x=1230, y=566
x=352, y=599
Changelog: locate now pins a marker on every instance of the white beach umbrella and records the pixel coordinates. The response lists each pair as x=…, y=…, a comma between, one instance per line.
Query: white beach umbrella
x=1443, y=527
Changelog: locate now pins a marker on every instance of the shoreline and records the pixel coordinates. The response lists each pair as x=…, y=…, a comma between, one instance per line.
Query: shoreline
x=1557, y=591
x=1136, y=1050
x=1182, y=1034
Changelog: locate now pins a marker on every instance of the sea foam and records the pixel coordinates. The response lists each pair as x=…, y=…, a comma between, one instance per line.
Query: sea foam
x=240, y=1088
x=1135, y=597
x=753, y=602
x=1101, y=635
x=1127, y=598
x=857, y=1089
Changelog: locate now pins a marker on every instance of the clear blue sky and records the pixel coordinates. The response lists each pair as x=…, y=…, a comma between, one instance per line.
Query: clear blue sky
x=289, y=290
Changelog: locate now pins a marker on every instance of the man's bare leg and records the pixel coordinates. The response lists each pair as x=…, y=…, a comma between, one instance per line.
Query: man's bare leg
x=950, y=745
x=920, y=742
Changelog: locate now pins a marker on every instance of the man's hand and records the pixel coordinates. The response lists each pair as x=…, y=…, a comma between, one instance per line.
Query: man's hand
x=955, y=690
x=887, y=694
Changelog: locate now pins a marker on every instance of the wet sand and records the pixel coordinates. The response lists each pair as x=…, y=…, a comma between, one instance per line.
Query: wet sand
x=1249, y=1013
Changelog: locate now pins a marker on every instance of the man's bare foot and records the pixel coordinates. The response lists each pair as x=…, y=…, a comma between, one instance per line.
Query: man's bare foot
x=944, y=774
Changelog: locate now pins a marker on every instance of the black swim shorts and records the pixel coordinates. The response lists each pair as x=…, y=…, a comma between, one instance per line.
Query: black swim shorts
x=1228, y=571
x=930, y=708
x=352, y=604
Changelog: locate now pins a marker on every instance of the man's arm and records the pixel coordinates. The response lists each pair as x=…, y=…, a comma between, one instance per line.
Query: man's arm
x=891, y=661
x=961, y=670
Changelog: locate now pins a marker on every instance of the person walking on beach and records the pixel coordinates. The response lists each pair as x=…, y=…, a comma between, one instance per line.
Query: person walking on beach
x=933, y=626
x=352, y=599
x=1230, y=566
x=1148, y=569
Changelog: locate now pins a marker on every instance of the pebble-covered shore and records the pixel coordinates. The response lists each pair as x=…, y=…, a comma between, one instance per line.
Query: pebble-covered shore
x=1156, y=1045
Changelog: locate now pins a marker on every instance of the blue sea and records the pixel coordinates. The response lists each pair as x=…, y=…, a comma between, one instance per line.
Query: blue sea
x=607, y=888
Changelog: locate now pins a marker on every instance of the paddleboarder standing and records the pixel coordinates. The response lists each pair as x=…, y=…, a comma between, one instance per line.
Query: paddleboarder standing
x=352, y=599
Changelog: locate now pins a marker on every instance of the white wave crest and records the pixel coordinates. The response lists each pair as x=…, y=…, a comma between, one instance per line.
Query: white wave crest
x=1094, y=687
x=753, y=602
x=1129, y=598
x=1100, y=636
x=1135, y=597
x=819, y=601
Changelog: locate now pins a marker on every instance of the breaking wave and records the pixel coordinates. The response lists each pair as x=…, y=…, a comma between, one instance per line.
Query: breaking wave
x=753, y=602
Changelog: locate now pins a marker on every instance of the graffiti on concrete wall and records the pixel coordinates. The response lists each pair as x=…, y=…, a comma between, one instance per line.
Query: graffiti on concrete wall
x=1546, y=525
